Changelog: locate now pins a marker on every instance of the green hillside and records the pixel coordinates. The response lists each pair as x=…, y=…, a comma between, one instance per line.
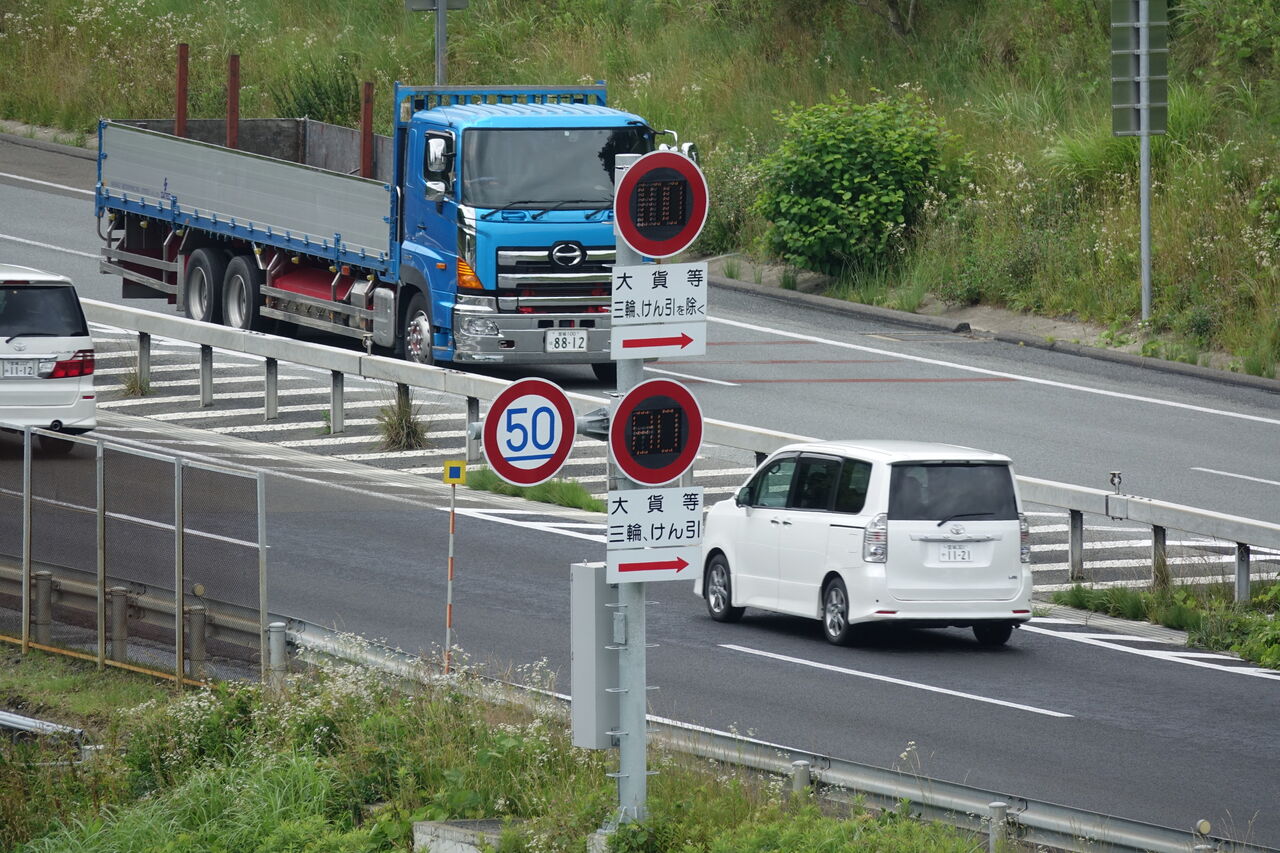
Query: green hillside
x=1045, y=217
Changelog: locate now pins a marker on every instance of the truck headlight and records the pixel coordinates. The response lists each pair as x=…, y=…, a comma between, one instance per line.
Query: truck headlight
x=479, y=326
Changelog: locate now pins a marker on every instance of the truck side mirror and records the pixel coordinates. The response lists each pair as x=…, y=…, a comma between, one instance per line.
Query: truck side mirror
x=436, y=153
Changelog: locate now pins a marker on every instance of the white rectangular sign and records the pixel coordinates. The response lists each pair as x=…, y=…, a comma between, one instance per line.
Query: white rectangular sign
x=643, y=518
x=644, y=565
x=659, y=293
x=660, y=340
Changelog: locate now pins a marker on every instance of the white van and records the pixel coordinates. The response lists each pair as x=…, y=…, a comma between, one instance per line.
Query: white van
x=46, y=356
x=856, y=532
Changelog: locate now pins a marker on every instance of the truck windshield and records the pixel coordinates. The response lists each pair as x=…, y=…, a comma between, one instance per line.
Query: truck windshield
x=565, y=167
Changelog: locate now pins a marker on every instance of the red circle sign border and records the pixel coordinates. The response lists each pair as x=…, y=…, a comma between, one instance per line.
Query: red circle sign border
x=553, y=394
x=617, y=430
x=622, y=204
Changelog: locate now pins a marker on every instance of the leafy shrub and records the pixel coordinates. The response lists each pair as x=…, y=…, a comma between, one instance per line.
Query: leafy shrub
x=734, y=177
x=848, y=181
x=322, y=90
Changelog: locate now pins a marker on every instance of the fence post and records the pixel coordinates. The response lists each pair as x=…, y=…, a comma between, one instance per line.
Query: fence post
x=179, y=573
x=996, y=831
x=335, y=402
x=272, y=382
x=119, y=623
x=44, y=606
x=1242, y=573
x=801, y=778
x=206, y=376
x=262, y=572
x=473, y=416
x=277, y=663
x=1075, y=544
x=100, y=500
x=27, y=439
x=196, y=621
x=1160, y=580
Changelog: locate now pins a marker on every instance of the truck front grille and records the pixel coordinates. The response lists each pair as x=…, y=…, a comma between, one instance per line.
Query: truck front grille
x=533, y=281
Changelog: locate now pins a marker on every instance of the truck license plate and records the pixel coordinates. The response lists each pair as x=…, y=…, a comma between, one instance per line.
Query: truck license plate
x=19, y=367
x=954, y=554
x=566, y=340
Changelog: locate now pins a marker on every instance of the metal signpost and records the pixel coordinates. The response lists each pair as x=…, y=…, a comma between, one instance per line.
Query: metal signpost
x=1140, y=98
x=455, y=472
x=433, y=6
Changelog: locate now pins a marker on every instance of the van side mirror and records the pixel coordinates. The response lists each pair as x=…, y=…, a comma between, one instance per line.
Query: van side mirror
x=740, y=497
x=437, y=151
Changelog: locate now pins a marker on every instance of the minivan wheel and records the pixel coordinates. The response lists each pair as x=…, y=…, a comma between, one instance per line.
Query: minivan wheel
x=719, y=591
x=993, y=633
x=54, y=446
x=835, y=614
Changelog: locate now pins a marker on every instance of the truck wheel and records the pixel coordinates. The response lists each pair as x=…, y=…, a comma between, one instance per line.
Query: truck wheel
x=202, y=285
x=242, y=294
x=417, y=331
x=606, y=372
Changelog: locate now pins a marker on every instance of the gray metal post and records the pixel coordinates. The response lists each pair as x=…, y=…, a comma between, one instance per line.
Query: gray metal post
x=996, y=831
x=206, y=376
x=271, y=380
x=1242, y=572
x=179, y=573
x=277, y=663
x=262, y=572
x=27, y=439
x=144, y=359
x=100, y=493
x=119, y=623
x=441, y=41
x=404, y=398
x=197, y=617
x=801, y=778
x=1144, y=140
x=1075, y=544
x=335, y=401
x=1159, y=558
x=474, y=452
x=44, y=606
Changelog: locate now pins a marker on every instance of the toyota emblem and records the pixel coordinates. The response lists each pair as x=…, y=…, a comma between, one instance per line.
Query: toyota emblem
x=957, y=529
x=19, y=346
x=567, y=254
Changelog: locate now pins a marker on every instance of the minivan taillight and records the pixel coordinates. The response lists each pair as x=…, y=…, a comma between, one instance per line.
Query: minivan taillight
x=875, y=540
x=80, y=364
x=1024, y=530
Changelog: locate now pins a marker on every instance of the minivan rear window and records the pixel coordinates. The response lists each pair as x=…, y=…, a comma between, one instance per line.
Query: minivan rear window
x=938, y=491
x=40, y=311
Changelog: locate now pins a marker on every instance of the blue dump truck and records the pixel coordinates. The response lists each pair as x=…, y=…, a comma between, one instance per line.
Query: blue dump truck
x=484, y=236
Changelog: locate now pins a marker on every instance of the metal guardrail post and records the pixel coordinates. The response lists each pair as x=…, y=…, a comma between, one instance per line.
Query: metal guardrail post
x=801, y=778
x=144, y=359
x=197, y=620
x=1160, y=579
x=403, y=398
x=1075, y=545
x=998, y=823
x=206, y=376
x=271, y=380
x=119, y=623
x=335, y=401
x=27, y=439
x=44, y=606
x=473, y=443
x=277, y=662
x=1242, y=573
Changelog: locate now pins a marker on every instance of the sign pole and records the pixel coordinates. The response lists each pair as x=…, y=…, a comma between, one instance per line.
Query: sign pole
x=633, y=779
x=448, y=607
x=1144, y=151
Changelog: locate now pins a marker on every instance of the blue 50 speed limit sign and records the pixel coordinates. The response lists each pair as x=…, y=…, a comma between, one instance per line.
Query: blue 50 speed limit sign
x=528, y=432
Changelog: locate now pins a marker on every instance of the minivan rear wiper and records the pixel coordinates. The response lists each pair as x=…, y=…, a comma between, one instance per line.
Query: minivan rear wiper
x=30, y=335
x=963, y=515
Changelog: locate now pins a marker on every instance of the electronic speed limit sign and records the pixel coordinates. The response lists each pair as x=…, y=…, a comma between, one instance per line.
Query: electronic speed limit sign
x=656, y=432
x=660, y=204
x=528, y=432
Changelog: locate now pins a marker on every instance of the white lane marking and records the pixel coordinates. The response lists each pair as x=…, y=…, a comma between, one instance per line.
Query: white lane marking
x=691, y=377
x=1053, y=620
x=39, y=245
x=1175, y=656
x=545, y=527
x=969, y=369
x=45, y=184
x=889, y=680
x=1239, y=476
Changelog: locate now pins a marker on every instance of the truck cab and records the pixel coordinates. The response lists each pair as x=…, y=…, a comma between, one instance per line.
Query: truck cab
x=507, y=224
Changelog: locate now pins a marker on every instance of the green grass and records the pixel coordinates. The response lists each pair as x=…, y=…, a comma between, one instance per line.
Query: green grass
x=37, y=684
x=560, y=492
x=348, y=760
x=401, y=425
x=1047, y=222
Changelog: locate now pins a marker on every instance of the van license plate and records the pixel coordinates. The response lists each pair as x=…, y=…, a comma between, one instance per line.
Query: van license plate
x=566, y=340
x=20, y=367
x=954, y=554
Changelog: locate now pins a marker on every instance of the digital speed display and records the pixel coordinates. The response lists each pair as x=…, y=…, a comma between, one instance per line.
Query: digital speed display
x=656, y=432
x=662, y=204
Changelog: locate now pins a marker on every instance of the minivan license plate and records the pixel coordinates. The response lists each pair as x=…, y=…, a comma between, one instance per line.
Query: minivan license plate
x=566, y=340
x=19, y=367
x=954, y=554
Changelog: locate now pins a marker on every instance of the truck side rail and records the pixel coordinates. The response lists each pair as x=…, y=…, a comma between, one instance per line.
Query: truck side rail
x=238, y=194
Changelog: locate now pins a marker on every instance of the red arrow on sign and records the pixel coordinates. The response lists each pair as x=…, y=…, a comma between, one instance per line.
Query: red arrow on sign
x=679, y=564
x=682, y=341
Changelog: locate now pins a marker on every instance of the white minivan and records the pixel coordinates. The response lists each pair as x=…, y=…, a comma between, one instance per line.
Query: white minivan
x=859, y=532
x=46, y=356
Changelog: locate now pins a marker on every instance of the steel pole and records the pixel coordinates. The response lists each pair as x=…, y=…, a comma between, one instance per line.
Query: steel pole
x=448, y=607
x=100, y=491
x=441, y=41
x=27, y=439
x=262, y=573
x=179, y=575
x=1144, y=130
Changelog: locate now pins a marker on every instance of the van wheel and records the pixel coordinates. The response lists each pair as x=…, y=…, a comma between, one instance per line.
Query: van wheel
x=835, y=615
x=719, y=591
x=202, y=285
x=417, y=331
x=242, y=294
x=993, y=633
x=53, y=446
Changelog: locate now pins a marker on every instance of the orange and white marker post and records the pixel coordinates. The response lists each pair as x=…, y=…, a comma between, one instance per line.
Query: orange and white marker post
x=455, y=472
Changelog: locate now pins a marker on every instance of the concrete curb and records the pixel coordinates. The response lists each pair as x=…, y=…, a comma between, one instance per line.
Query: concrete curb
x=1147, y=630
x=54, y=147
x=942, y=324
